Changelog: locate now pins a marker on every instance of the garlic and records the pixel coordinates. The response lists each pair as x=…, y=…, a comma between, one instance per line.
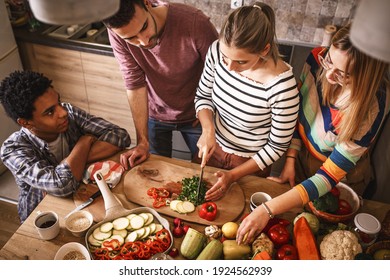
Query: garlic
x=213, y=231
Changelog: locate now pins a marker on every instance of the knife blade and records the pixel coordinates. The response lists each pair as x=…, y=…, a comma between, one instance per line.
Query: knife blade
x=199, y=184
x=85, y=203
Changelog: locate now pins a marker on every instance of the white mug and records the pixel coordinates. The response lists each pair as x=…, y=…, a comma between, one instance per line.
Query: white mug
x=47, y=224
x=258, y=198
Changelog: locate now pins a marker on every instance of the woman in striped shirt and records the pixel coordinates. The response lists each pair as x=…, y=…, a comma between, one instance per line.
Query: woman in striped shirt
x=247, y=100
x=345, y=97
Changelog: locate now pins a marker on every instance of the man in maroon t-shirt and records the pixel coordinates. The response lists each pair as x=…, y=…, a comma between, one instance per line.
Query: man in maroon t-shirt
x=161, y=50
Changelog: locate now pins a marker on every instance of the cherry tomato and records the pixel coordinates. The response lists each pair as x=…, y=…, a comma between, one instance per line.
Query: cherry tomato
x=287, y=252
x=279, y=234
x=335, y=191
x=344, y=207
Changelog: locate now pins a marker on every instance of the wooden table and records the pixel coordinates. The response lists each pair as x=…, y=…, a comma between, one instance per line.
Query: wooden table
x=26, y=245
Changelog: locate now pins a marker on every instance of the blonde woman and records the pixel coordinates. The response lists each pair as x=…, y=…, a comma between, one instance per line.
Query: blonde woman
x=345, y=99
x=247, y=100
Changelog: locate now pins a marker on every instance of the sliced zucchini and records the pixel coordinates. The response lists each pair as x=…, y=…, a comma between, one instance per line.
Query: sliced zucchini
x=158, y=227
x=99, y=235
x=93, y=241
x=173, y=204
x=130, y=216
x=140, y=232
x=152, y=227
x=179, y=207
x=106, y=227
x=121, y=232
x=188, y=206
x=144, y=216
x=150, y=219
x=131, y=237
x=137, y=222
x=119, y=238
x=121, y=223
x=146, y=234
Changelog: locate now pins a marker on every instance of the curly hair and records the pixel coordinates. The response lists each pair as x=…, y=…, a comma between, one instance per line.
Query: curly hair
x=125, y=14
x=19, y=91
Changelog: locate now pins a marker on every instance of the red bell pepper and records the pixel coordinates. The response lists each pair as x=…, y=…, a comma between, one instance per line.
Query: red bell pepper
x=279, y=235
x=208, y=211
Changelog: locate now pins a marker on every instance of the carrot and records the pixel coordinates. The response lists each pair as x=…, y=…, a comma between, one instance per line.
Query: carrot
x=305, y=241
x=263, y=255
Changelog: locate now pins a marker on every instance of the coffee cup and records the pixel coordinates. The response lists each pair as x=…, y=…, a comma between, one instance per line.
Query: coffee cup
x=257, y=199
x=47, y=224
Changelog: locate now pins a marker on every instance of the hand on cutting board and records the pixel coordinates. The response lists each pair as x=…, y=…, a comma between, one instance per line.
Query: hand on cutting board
x=220, y=188
x=134, y=156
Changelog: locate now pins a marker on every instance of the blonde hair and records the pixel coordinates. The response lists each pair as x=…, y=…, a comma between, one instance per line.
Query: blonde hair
x=251, y=28
x=366, y=75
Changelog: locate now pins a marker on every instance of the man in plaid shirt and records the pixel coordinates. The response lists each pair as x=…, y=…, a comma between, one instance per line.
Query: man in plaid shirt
x=56, y=141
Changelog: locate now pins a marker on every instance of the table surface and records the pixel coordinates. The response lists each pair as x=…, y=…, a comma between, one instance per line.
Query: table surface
x=26, y=245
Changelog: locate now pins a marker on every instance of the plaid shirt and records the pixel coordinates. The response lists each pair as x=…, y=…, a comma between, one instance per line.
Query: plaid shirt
x=36, y=170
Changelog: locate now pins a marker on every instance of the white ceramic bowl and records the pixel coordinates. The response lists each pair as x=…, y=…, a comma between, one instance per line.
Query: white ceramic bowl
x=79, y=222
x=72, y=251
x=257, y=199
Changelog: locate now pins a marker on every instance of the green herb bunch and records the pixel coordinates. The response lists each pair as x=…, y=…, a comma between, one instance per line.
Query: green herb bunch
x=189, y=190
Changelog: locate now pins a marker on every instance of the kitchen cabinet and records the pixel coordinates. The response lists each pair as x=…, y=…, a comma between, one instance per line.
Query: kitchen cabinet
x=106, y=90
x=90, y=81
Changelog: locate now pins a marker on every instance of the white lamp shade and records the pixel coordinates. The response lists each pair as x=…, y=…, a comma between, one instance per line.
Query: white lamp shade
x=73, y=11
x=370, y=30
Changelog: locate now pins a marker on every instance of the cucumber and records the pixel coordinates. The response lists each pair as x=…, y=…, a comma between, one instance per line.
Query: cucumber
x=121, y=223
x=192, y=244
x=213, y=251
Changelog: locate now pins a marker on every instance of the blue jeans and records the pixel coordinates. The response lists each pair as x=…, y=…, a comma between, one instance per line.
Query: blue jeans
x=160, y=136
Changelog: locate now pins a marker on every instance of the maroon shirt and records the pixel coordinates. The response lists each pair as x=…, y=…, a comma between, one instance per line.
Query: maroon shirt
x=172, y=69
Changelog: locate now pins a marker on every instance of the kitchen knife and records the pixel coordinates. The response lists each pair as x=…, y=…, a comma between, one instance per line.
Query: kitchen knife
x=85, y=203
x=199, y=184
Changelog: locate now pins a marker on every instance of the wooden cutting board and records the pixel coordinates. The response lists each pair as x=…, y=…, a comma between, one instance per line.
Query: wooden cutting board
x=136, y=185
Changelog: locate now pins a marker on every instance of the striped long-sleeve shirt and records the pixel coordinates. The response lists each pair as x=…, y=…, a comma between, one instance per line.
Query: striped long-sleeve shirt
x=251, y=119
x=317, y=132
x=35, y=168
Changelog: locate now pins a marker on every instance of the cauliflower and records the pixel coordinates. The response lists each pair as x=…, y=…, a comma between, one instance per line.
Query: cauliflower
x=340, y=245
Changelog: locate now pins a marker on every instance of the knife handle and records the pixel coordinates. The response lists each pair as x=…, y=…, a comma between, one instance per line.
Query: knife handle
x=96, y=194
